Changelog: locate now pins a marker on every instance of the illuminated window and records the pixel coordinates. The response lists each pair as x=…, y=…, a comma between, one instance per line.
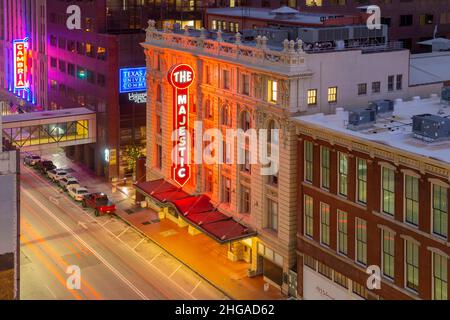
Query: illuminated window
x=388, y=190
x=412, y=200
x=214, y=25
x=440, y=277
x=312, y=97
x=332, y=94
x=412, y=265
x=101, y=53
x=388, y=253
x=325, y=223
x=342, y=231
x=273, y=91
x=308, y=216
x=314, y=3
x=361, y=241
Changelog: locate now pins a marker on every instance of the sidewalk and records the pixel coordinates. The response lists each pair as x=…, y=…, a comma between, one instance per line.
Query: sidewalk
x=200, y=253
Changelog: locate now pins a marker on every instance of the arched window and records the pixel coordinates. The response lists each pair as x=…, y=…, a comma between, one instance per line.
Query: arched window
x=226, y=115
x=159, y=93
x=245, y=120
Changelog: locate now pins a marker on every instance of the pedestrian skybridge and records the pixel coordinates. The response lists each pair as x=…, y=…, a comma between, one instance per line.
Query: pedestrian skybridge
x=41, y=130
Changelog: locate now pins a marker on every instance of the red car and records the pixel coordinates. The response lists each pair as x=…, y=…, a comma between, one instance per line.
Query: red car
x=99, y=202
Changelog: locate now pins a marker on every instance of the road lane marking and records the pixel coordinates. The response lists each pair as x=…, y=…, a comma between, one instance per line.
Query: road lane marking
x=107, y=221
x=100, y=257
x=142, y=240
x=49, y=185
x=123, y=232
x=196, y=286
x=175, y=271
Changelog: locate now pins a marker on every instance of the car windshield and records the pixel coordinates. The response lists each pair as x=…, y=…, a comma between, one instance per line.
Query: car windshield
x=82, y=191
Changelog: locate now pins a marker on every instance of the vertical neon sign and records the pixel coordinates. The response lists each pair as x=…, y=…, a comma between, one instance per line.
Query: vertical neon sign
x=181, y=77
x=20, y=51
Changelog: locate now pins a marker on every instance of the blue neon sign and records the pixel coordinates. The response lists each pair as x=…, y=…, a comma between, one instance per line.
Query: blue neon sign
x=132, y=79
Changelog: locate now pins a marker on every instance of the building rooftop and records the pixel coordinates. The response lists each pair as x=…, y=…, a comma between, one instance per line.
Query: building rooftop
x=429, y=67
x=394, y=130
x=283, y=14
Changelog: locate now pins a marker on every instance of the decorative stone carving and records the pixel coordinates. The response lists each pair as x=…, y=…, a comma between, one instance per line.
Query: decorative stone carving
x=219, y=35
x=238, y=39
x=264, y=42
x=285, y=45
x=300, y=46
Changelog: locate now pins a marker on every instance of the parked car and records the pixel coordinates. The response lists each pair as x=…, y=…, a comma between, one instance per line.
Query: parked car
x=77, y=192
x=31, y=160
x=56, y=174
x=68, y=181
x=99, y=202
x=45, y=165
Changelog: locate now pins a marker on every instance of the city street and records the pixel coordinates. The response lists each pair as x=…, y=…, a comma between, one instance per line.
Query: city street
x=115, y=261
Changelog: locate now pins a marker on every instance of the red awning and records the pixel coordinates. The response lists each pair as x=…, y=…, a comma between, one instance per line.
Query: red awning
x=198, y=211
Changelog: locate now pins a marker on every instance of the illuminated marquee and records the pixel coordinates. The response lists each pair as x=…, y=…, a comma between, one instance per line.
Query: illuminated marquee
x=20, y=51
x=181, y=77
x=132, y=79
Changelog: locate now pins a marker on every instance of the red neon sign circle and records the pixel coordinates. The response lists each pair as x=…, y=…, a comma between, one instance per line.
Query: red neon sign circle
x=181, y=76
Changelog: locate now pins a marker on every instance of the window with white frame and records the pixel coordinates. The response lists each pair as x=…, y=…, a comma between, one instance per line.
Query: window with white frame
x=388, y=190
x=361, y=241
x=309, y=156
x=440, y=210
x=440, y=277
x=325, y=167
x=361, y=180
x=325, y=224
x=308, y=216
x=343, y=174
x=412, y=200
x=388, y=253
x=412, y=265
x=342, y=223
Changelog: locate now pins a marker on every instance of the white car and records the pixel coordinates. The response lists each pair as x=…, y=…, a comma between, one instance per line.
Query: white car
x=68, y=181
x=31, y=159
x=56, y=174
x=77, y=192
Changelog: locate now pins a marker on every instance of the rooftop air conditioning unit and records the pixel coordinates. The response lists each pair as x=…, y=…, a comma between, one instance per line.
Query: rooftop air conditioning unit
x=382, y=107
x=361, y=119
x=430, y=127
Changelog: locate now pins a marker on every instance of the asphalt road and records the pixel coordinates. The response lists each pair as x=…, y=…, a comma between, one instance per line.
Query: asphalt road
x=115, y=261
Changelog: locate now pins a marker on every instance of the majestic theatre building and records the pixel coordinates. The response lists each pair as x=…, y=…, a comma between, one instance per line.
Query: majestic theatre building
x=223, y=82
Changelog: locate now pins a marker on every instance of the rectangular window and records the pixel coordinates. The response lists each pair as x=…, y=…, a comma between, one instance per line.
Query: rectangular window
x=62, y=66
x=388, y=190
x=53, y=62
x=340, y=279
x=406, y=20
x=399, y=82
x=412, y=200
x=272, y=215
x=226, y=79
x=388, y=253
x=101, y=80
x=359, y=290
x=325, y=167
x=376, y=87
x=312, y=97
x=325, y=223
x=308, y=161
x=361, y=187
x=361, y=241
x=332, y=94
x=245, y=205
x=245, y=89
x=273, y=91
x=412, y=265
x=324, y=270
x=362, y=89
x=214, y=25
x=308, y=214
x=310, y=262
x=71, y=69
x=159, y=156
x=440, y=277
x=342, y=232
x=391, y=83
x=208, y=181
x=226, y=197
x=440, y=210
x=343, y=174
